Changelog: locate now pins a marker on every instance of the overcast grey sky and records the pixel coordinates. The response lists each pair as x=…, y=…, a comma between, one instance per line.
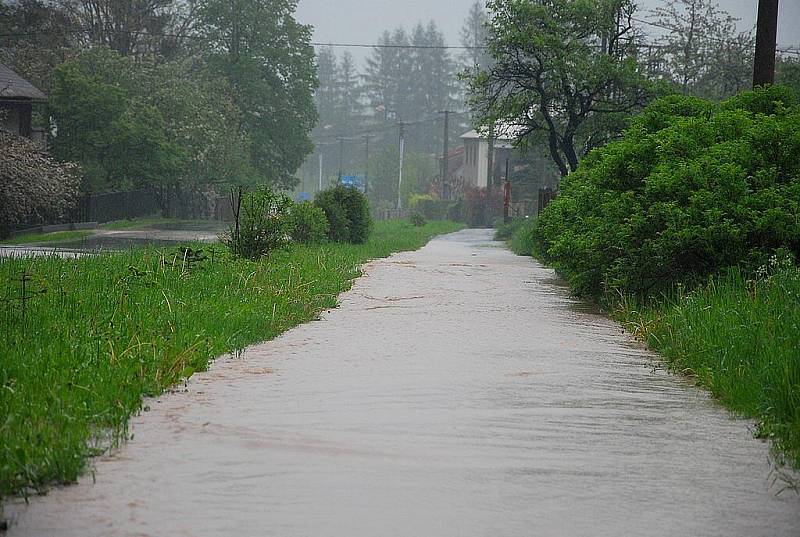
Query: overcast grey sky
x=362, y=21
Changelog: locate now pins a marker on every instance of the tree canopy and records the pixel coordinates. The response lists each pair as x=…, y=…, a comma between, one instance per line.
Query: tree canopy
x=564, y=72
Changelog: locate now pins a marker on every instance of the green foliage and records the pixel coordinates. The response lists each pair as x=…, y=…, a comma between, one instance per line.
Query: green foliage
x=120, y=326
x=417, y=219
x=308, y=223
x=429, y=206
x=550, y=81
x=134, y=124
x=262, y=224
x=691, y=188
x=504, y=231
x=268, y=61
x=522, y=239
x=347, y=211
x=739, y=338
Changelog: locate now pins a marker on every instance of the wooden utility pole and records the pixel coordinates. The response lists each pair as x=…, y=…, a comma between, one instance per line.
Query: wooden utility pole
x=490, y=160
x=445, y=151
x=766, y=39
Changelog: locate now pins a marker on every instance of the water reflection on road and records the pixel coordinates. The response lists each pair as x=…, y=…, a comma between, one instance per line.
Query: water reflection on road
x=457, y=391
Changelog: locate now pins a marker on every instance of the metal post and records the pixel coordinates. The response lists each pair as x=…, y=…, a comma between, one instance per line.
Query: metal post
x=400, y=175
x=341, y=156
x=320, y=170
x=366, y=162
x=445, y=150
x=766, y=38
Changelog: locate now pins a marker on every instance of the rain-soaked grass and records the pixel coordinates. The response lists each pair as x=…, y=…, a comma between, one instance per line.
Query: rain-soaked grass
x=740, y=338
x=82, y=340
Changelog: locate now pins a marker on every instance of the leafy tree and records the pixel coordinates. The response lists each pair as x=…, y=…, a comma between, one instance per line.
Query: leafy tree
x=565, y=71
x=267, y=58
x=132, y=124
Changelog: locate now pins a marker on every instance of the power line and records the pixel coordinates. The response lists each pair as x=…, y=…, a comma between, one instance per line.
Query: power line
x=783, y=49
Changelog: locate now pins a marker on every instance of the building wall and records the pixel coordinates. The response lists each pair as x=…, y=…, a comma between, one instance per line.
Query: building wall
x=9, y=118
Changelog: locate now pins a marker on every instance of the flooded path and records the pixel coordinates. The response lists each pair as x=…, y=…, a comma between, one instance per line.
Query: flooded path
x=457, y=391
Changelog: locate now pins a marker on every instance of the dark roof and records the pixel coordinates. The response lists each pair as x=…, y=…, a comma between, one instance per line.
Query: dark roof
x=15, y=87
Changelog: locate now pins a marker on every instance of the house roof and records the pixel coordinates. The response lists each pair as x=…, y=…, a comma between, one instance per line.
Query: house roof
x=13, y=86
x=500, y=142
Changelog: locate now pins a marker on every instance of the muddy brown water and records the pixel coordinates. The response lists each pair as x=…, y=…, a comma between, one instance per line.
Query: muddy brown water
x=456, y=391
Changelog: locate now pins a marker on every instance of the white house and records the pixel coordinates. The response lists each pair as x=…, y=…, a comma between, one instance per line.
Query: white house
x=476, y=157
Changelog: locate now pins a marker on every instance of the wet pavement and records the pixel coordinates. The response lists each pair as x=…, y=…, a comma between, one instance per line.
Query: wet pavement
x=113, y=240
x=456, y=391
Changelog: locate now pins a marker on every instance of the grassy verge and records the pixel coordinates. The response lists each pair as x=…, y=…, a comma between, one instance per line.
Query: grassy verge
x=739, y=338
x=55, y=237
x=95, y=334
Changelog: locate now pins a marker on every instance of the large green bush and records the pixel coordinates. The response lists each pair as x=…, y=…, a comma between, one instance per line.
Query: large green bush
x=692, y=188
x=347, y=211
x=308, y=223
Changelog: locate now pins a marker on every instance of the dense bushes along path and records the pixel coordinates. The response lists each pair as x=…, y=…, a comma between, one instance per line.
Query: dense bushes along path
x=82, y=340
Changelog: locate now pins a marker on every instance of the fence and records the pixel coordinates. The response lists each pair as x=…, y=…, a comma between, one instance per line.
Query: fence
x=546, y=195
x=389, y=214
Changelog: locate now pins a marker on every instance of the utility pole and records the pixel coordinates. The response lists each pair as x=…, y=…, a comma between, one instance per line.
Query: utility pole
x=766, y=39
x=445, y=150
x=366, y=161
x=506, y=196
x=341, y=156
x=490, y=160
x=402, y=154
x=320, y=170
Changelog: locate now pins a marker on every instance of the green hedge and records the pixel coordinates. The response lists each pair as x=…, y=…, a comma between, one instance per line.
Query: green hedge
x=692, y=187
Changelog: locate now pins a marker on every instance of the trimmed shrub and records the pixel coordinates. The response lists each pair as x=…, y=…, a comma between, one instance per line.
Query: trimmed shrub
x=308, y=223
x=347, y=211
x=430, y=207
x=692, y=188
x=417, y=219
x=262, y=224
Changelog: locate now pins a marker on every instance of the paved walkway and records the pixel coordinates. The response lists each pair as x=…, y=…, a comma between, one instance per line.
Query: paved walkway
x=456, y=391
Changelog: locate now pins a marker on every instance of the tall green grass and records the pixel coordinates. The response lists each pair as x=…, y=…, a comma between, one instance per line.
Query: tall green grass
x=97, y=333
x=741, y=339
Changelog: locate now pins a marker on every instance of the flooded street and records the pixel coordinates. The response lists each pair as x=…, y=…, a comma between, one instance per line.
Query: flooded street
x=457, y=391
